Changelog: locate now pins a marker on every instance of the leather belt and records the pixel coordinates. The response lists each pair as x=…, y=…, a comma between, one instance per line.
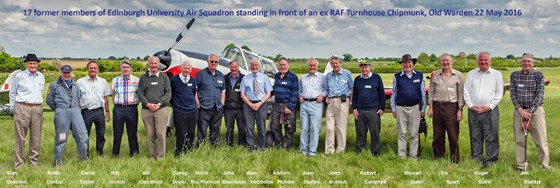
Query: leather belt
x=444, y=102
x=525, y=107
x=337, y=97
x=126, y=105
x=28, y=104
x=315, y=99
x=255, y=102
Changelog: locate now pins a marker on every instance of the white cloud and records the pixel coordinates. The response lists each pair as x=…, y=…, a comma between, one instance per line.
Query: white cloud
x=535, y=30
x=551, y=41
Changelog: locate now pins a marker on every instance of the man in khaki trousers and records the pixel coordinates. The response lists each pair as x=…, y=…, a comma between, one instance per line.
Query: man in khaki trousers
x=154, y=91
x=527, y=95
x=339, y=88
x=26, y=97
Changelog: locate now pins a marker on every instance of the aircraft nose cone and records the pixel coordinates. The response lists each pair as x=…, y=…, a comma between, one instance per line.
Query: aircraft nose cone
x=164, y=59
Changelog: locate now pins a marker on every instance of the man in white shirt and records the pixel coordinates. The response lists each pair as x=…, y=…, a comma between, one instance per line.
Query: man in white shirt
x=483, y=91
x=94, y=99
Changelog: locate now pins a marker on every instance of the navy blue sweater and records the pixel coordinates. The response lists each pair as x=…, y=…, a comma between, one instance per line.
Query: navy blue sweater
x=408, y=89
x=182, y=98
x=368, y=94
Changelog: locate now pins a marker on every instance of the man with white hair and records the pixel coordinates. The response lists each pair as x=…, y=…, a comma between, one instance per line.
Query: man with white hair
x=185, y=104
x=255, y=90
x=483, y=92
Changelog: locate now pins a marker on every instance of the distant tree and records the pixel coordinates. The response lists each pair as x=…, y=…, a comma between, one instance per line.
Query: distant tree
x=57, y=63
x=124, y=57
x=228, y=46
x=471, y=56
x=138, y=58
x=246, y=48
x=146, y=57
x=277, y=57
x=347, y=57
x=433, y=58
x=423, y=58
x=112, y=58
x=9, y=63
x=510, y=56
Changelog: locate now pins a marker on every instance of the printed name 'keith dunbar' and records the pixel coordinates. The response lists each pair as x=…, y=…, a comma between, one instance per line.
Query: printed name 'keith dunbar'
x=147, y=12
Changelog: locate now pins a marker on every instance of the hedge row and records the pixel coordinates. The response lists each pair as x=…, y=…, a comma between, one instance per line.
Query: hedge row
x=51, y=76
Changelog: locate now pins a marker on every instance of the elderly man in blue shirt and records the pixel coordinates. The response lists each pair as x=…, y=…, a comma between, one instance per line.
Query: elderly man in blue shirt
x=255, y=90
x=312, y=91
x=285, y=96
x=211, y=95
x=26, y=97
x=339, y=88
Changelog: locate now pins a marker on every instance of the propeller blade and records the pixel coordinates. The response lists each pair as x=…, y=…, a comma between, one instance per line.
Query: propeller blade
x=181, y=34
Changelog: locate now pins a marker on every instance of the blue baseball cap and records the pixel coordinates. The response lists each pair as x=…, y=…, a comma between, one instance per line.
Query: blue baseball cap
x=66, y=69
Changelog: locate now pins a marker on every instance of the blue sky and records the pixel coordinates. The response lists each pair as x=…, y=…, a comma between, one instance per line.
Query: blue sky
x=537, y=30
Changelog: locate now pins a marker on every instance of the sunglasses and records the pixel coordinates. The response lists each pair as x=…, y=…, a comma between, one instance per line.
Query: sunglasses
x=213, y=61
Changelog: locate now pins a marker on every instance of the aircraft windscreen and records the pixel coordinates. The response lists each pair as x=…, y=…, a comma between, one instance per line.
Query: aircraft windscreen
x=268, y=68
x=235, y=54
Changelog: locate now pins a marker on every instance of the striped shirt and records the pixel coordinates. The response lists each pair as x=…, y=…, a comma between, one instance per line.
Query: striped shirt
x=125, y=91
x=286, y=89
x=527, y=89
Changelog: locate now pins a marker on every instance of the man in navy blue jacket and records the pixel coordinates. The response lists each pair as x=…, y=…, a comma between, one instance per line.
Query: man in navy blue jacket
x=368, y=88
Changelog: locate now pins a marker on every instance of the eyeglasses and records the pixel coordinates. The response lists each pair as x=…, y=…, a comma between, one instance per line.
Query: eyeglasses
x=213, y=61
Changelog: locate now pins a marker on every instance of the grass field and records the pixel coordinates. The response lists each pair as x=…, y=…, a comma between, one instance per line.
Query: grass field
x=224, y=166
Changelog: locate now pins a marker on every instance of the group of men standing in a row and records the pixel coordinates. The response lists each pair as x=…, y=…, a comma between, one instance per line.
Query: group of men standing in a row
x=199, y=103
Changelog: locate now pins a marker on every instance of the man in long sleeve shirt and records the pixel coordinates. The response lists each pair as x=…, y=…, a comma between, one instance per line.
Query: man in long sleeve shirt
x=339, y=88
x=255, y=90
x=408, y=102
x=368, y=88
x=211, y=93
x=446, y=104
x=527, y=96
x=312, y=91
x=26, y=97
x=154, y=91
x=483, y=92
x=286, y=96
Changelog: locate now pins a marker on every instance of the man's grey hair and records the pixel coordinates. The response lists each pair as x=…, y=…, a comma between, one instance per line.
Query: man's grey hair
x=335, y=57
x=186, y=62
x=529, y=55
x=483, y=53
x=445, y=54
x=312, y=59
x=211, y=55
x=256, y=59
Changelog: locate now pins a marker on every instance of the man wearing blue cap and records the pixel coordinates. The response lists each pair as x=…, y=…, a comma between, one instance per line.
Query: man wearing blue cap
x=62, y=97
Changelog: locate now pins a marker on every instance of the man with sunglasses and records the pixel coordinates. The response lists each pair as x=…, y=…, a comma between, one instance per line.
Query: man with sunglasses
x=211, y=95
